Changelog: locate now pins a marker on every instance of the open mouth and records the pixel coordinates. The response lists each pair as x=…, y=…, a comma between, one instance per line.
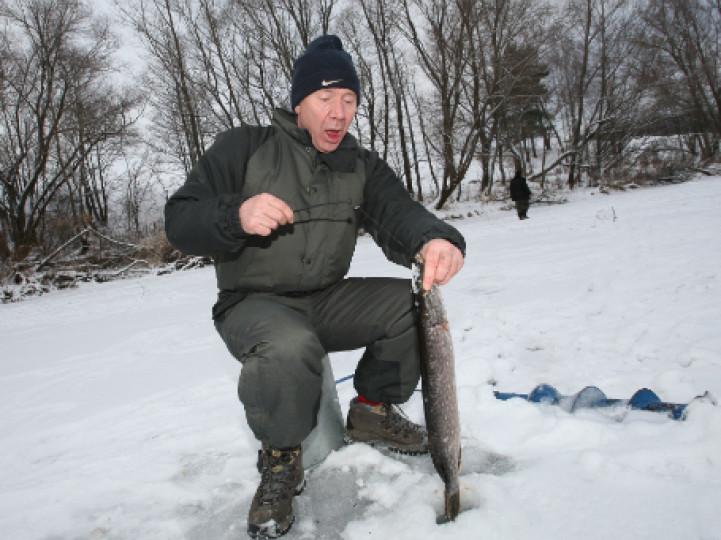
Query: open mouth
x=333, y=134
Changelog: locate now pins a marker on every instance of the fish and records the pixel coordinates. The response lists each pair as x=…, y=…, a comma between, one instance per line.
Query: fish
x=440, y=402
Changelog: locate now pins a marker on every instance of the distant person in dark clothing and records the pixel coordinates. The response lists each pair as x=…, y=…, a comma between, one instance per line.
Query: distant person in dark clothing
x=520, y=194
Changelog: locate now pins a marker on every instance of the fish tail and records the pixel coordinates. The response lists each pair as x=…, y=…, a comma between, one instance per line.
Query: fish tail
x=453, y=503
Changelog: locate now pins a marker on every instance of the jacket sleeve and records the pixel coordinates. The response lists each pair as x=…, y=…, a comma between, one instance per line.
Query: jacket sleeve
x=398, y=224
x=202, y=218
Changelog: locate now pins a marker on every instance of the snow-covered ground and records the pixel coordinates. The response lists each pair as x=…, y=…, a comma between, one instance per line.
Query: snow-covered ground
x=120, y=418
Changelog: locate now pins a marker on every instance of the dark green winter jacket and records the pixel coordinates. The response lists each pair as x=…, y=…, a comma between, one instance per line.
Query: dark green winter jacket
x=331, y=194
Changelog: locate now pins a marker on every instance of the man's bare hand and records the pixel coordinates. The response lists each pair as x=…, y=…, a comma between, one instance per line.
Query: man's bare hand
x=441, y=261
x=264, y=213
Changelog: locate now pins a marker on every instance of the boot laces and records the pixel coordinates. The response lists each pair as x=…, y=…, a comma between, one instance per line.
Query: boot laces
x=277, y=478
x=396, y=421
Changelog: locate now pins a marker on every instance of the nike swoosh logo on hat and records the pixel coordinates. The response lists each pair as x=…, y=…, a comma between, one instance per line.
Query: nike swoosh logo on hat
x=328, y=83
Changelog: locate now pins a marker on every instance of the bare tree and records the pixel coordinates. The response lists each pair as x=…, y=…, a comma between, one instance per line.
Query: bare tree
x=219, y=63
x=521, y=117
x=372, y=120
x=383, y=122
x=273, y=34
x=685, y=38
x=379, y=18
x=618, y=94
x=576, y=75
x=596, y=74
x=56, y=108
x=177, y=121
x=138, y=192
x=509, y=40
x=439, y=31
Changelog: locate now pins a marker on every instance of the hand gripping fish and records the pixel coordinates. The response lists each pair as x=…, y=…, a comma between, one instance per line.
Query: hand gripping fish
x=440, y=404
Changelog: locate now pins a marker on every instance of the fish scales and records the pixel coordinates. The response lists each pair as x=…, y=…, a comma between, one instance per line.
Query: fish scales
x=440, y=403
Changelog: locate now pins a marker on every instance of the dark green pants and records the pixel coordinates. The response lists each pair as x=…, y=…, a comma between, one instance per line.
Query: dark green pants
x=281, y=341
x=522, y=208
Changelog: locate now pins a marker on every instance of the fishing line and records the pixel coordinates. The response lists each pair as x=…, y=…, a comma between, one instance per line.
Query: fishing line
x=329, y=219
x=416, y=263
x=318, y=205
x=381, y=228
x=357, y=208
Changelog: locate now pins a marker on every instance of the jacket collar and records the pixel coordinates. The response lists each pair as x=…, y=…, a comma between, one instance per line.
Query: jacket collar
x=342, y=159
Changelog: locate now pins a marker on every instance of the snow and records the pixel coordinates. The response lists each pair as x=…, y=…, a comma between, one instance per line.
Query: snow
x=120, y=417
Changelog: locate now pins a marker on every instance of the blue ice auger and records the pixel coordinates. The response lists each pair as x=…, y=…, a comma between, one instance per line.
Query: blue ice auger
x=592, y=397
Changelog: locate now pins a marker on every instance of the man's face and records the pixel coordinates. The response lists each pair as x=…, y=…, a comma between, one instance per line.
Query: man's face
x=327, y=114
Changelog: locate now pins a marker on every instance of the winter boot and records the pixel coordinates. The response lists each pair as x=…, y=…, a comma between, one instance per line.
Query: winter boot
x=385, y=425
x=271, y=512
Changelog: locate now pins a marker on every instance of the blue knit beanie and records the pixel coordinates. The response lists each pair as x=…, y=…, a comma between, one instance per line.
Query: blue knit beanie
x=324, y=64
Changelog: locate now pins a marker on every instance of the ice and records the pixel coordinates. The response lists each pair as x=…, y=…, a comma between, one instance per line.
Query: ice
x=120, y=418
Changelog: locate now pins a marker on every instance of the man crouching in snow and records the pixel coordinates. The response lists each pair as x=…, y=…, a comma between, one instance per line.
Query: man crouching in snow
x=279, y=207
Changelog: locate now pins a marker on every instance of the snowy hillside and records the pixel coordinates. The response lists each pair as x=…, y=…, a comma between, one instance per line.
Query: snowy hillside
x=120, y=418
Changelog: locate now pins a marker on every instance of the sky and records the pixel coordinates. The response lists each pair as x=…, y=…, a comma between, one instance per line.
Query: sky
x=120, y=417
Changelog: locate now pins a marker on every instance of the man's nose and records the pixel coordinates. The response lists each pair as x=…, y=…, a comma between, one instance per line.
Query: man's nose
x=337, y=110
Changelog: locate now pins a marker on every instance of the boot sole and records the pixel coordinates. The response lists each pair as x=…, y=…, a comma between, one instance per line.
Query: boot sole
x=266, y=532
x=260, y=532
x=354, y=436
